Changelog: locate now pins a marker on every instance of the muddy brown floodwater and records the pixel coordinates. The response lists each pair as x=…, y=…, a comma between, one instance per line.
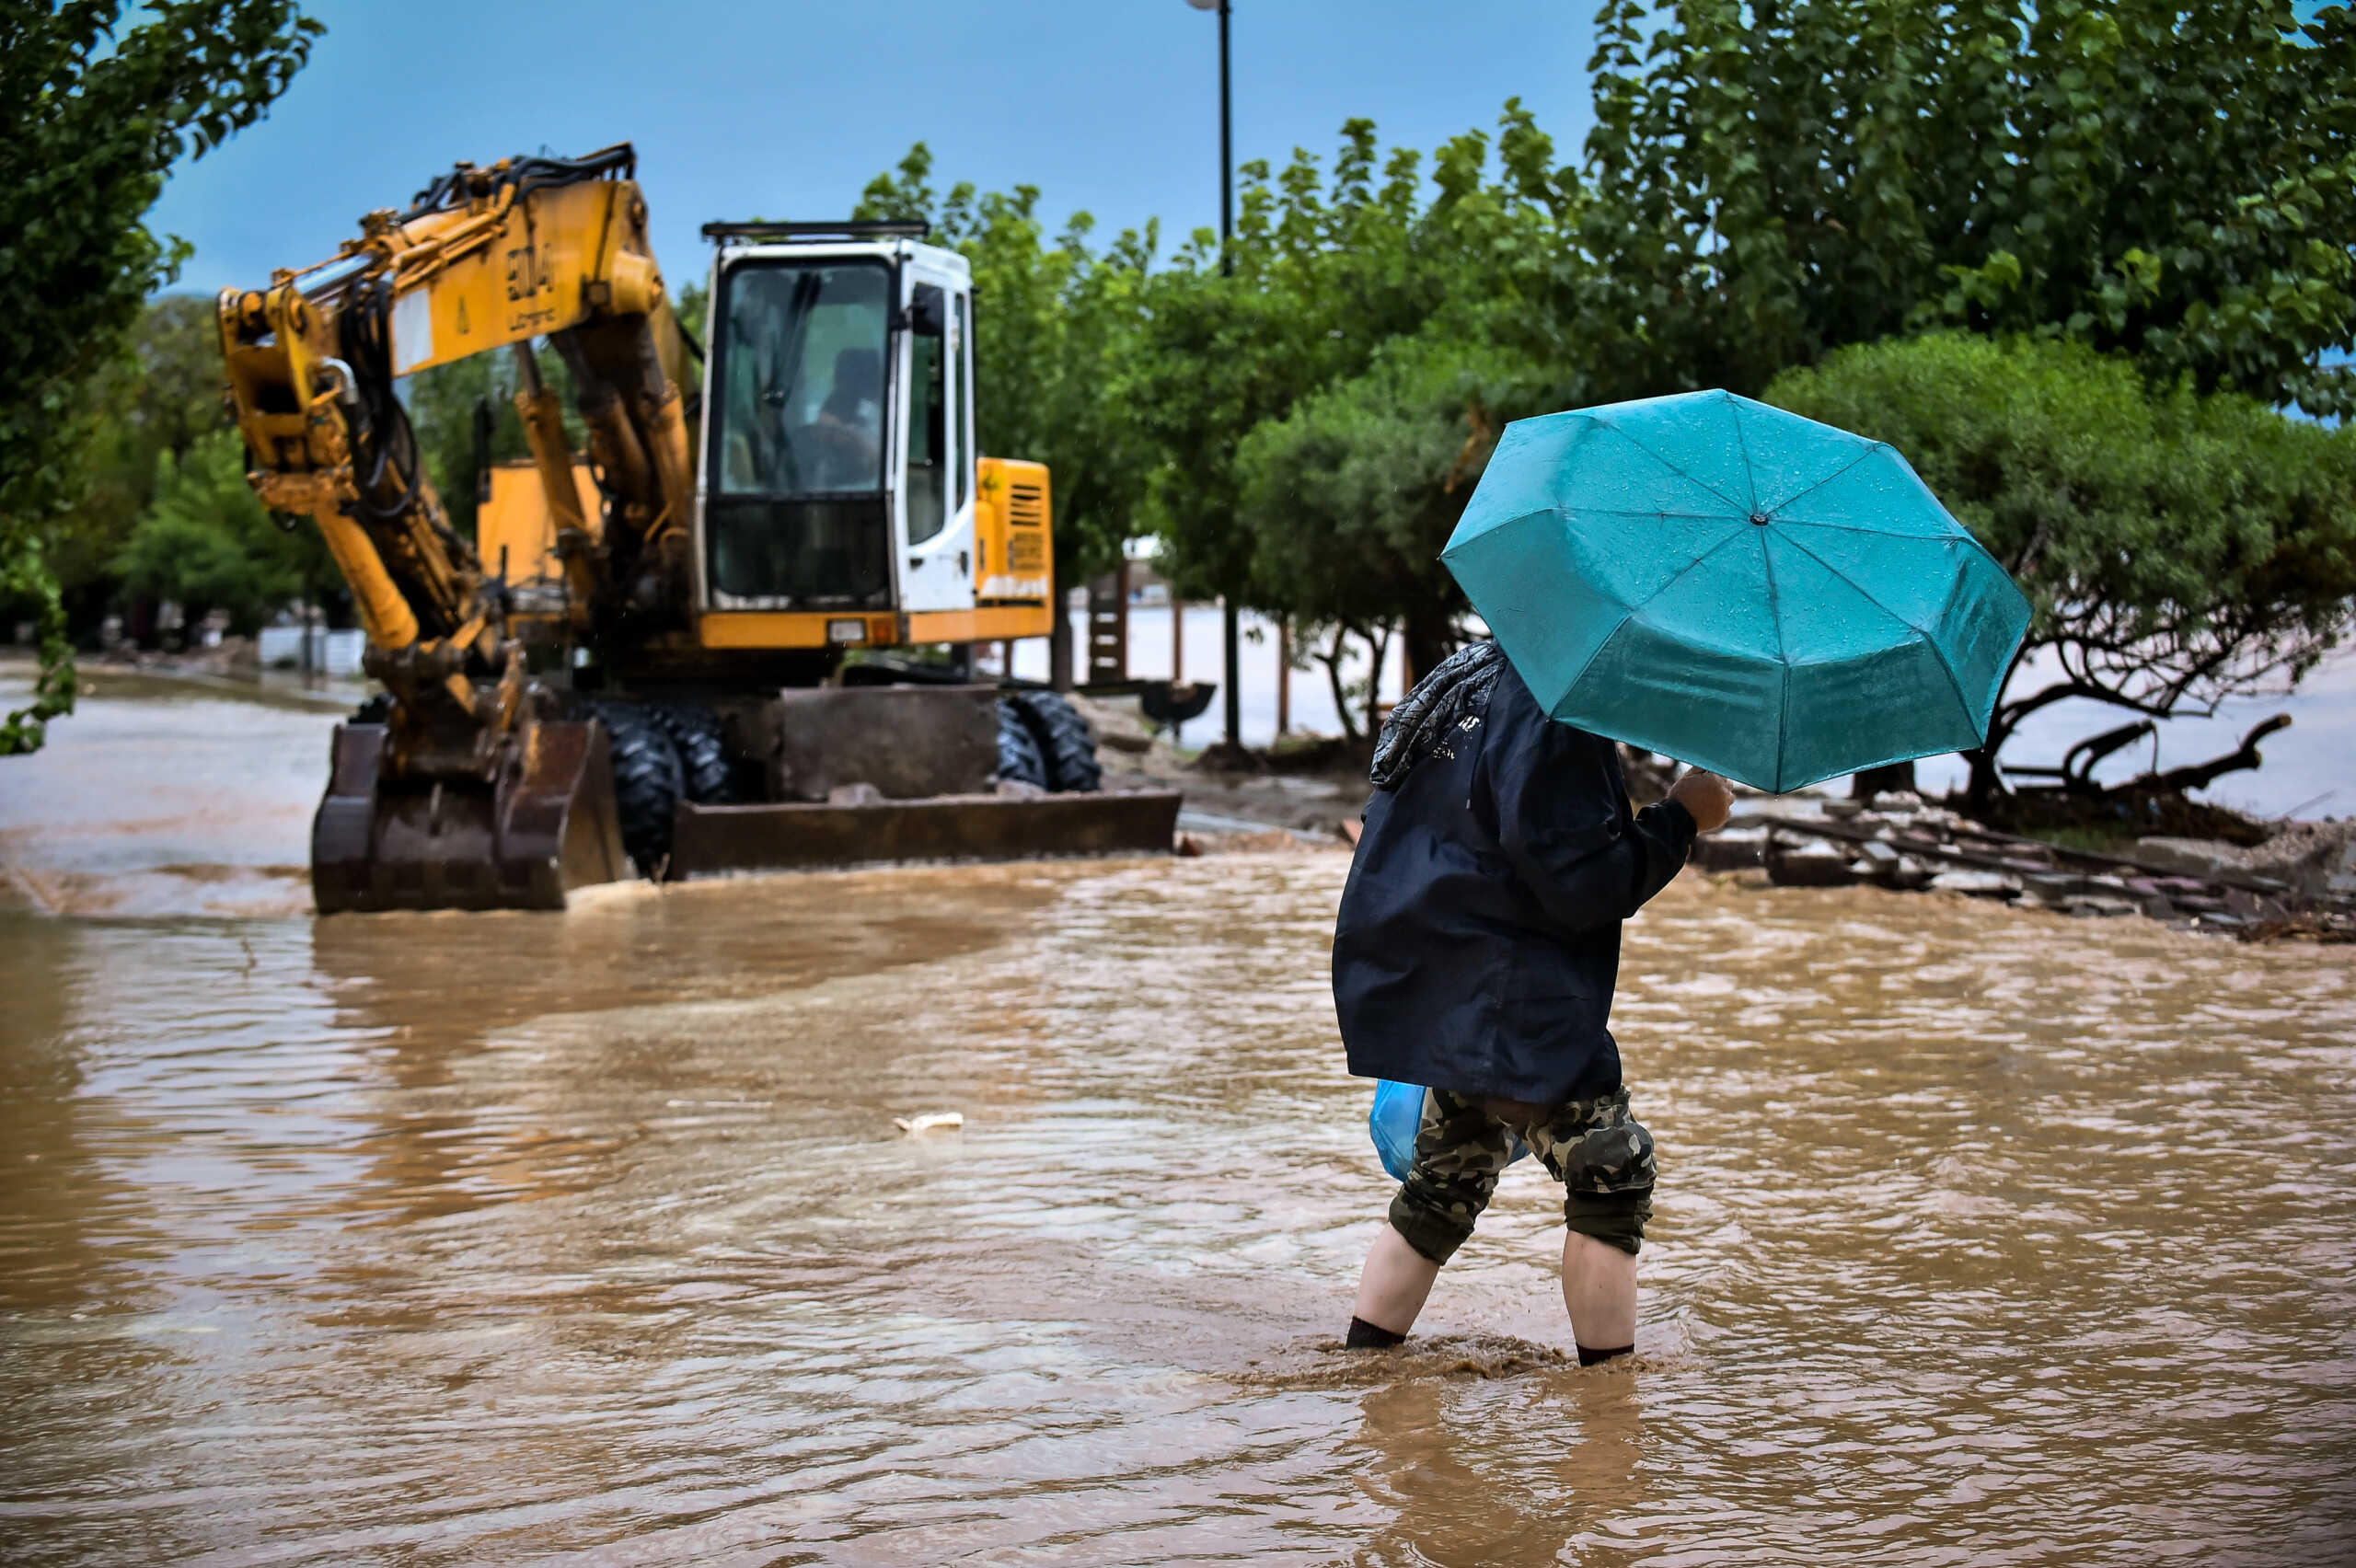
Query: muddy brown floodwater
x=1983, y=1238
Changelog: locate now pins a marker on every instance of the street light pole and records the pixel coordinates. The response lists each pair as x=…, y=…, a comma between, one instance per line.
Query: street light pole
x=1229, y=630
x=1226, y=136
x=1230, y=627
x=1226, y=149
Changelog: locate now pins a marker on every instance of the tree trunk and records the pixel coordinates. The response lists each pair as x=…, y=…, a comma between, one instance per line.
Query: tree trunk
x=1231, y=654
x=1284, y=676
x=1985, y=785
x=1430, y=637
x=1059, y=640
x=1332, y=659
x=1873, y=781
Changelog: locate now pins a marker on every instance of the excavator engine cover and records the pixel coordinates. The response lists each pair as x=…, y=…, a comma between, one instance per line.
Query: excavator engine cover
x=546, y=825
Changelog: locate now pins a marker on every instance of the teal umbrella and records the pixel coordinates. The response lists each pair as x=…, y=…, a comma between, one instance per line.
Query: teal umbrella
x=1737, y=587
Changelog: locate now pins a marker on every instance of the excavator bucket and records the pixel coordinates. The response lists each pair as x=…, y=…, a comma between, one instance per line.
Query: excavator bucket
x=547, y=826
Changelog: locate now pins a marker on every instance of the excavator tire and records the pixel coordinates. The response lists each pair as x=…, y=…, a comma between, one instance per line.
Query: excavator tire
x=1018, y=750
x=1065, y=741
x=708, y=777
x=648, y=781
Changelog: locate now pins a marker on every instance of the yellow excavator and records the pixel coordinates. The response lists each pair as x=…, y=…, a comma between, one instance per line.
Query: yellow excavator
x=646, y=658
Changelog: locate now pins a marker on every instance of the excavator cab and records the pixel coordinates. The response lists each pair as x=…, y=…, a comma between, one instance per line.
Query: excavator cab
x=841, y=501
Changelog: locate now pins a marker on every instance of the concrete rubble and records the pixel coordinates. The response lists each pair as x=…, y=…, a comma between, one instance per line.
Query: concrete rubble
x=2302, y=881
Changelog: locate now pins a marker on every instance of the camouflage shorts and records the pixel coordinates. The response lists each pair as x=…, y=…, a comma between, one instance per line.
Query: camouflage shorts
x=1599, y=1152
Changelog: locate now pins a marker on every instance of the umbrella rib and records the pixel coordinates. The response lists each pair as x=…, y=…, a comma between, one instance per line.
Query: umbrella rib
x=1742, y=444
x=1694, y=478
x=1876, y=446
x=1649, y=511
x=1783, y=657
x=1856, y=528
x=1960, y=534
x=1946, y=669
x=1635, y=610
x=1682, y=572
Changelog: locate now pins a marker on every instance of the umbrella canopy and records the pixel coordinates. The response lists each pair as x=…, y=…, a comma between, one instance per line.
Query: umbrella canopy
x=1737, y=587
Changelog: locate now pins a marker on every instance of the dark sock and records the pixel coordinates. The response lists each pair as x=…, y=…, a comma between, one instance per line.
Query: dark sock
x=1589, y=1357
x=1364, y=1335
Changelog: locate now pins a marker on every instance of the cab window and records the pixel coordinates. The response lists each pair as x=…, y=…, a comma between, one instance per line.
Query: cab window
x=962, y=458
x=801, y=350
x=928, y=413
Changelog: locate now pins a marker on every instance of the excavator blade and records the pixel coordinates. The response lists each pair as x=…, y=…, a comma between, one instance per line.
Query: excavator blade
x=922, y=757
x=716, y=840
x=546, y=828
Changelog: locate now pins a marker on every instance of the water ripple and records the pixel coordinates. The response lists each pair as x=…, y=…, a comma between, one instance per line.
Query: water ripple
x=1983, y=1238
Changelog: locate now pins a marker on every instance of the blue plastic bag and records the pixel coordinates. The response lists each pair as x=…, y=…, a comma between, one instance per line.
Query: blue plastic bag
x=1398, y=1112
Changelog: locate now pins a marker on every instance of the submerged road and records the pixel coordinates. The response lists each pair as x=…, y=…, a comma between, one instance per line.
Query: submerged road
x=1984, y=1236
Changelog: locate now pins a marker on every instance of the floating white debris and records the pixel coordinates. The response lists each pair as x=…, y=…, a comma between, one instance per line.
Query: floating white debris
x=929, y=1121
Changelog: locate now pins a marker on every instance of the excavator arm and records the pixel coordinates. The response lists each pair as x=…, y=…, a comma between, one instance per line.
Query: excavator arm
x=485, y=259
x=472, y=780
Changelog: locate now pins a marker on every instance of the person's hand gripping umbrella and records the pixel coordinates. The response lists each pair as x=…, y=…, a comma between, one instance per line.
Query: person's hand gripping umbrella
x=1737, y=587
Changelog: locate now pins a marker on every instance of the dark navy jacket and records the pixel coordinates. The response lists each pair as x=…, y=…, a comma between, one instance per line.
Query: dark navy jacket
x=1479, y=936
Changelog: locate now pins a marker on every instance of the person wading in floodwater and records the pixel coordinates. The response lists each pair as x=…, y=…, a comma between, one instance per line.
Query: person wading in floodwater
x=1475, y=953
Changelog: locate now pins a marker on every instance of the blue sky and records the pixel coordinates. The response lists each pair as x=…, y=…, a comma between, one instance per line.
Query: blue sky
x=788, y=110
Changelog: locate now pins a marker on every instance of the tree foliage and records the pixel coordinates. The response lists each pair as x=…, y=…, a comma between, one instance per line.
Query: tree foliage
x=1378, y=319
x=93, y=113
x=1349, y=498
x=2173, y=179
x=1768, y=182
x=466, y=420
x=2179, y=548
x=2166, y=184
x=1055, y=325
x=1317, y=275
x=206, y=542
x=157, y=397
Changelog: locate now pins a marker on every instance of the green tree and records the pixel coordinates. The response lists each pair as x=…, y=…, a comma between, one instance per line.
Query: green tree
x=2169, y=181
x=157, y=397
x=1058, y=325
x=2179, y=548
x=206, y=542
x=1350, y=497
x=1317, y=274
x=465, y=417
x=692, y=306
x=1766, y=183
x=1426, y=298
x=93, y=114
x=1770, y=180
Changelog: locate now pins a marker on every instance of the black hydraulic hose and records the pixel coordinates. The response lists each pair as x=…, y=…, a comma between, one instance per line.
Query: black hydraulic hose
x=385, y=442
x=367, y=340
x=529, y=173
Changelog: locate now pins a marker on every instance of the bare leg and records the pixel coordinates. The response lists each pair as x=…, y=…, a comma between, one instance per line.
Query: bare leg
x=1396, y=1281
x=1599, y=1291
